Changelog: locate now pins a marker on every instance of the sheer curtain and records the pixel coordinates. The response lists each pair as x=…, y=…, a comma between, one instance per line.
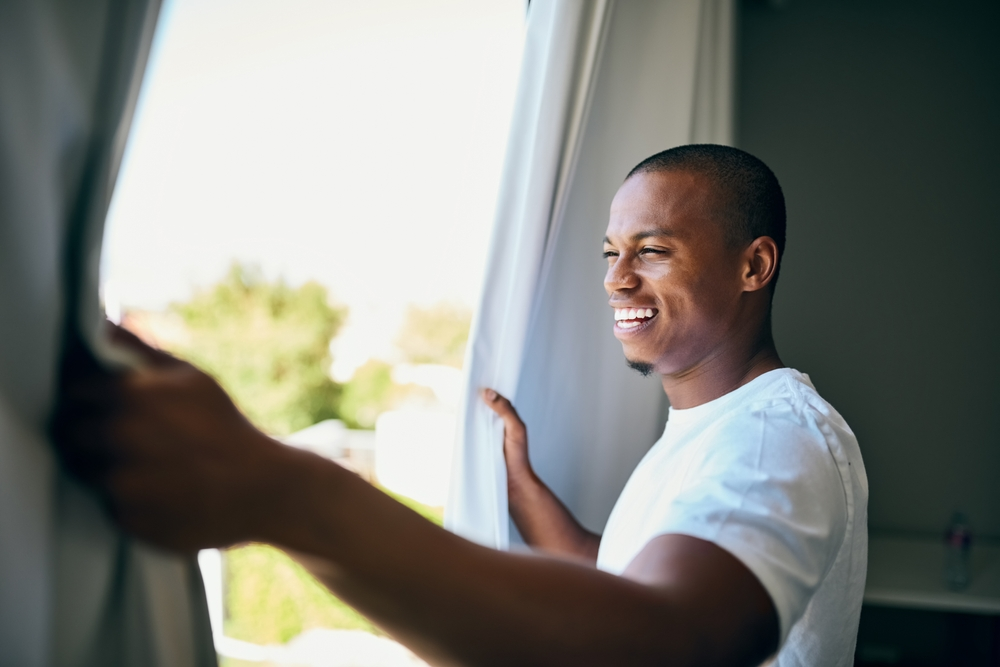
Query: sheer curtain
x=73, y=590
x=603, y=85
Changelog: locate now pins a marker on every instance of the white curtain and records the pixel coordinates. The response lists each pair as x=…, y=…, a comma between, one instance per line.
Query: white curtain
x=603, y=85
x=73, y=590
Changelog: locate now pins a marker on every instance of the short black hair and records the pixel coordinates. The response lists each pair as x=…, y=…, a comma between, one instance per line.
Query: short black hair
x=754, y=206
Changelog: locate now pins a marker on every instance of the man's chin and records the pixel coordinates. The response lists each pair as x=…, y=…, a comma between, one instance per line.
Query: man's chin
x=643, y=368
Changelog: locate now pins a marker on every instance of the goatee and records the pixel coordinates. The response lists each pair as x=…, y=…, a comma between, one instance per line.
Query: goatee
x=640, y=367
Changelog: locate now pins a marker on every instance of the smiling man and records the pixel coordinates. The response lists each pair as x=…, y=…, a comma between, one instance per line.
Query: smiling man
x=739, y=538
x=752, y=460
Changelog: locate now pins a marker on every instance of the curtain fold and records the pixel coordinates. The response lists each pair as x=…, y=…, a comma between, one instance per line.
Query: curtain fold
x=603, y=85
x=74, y=590
x=561, y=53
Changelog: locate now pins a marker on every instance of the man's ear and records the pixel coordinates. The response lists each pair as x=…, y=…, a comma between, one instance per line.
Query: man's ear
x=760, y=262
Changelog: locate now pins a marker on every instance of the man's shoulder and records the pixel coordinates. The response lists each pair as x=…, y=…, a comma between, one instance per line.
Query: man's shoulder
x=785, y=425
x=786, y=407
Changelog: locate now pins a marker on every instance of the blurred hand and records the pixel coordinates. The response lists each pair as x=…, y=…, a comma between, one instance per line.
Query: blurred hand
x=515, y=435
x=176, y=461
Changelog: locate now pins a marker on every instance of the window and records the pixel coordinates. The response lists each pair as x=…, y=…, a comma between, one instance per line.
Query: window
x=315, y=182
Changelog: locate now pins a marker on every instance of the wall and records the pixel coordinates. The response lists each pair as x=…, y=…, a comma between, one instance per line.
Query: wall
x=882, y=122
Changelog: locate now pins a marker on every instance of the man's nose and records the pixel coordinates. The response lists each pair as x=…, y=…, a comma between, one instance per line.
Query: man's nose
x=620, y=276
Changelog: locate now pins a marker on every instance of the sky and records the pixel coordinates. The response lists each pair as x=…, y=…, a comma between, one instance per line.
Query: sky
x=358, y=144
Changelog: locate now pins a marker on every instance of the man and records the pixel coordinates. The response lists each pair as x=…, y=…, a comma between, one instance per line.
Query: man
x=739, y=537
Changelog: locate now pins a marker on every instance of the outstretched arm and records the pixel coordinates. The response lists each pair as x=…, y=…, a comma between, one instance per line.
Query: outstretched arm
x=181, y=467
x=544, y=522
x=683, y=602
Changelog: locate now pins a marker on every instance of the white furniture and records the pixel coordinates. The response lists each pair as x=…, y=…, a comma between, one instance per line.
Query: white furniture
x=909, y=573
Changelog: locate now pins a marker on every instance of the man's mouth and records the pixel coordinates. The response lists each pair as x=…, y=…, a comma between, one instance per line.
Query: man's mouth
x=630, y=318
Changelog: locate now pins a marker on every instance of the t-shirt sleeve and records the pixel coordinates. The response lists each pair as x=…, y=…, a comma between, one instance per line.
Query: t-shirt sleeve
x=766, y=488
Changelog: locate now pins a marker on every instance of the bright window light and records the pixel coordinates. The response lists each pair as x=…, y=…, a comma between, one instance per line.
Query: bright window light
x=342, y=158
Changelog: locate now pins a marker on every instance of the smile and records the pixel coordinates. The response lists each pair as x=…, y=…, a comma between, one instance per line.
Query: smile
x=630, y=318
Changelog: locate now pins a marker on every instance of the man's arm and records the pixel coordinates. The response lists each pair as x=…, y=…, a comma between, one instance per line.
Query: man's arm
x=682, y=602
x=544, y=522
x=181, y=467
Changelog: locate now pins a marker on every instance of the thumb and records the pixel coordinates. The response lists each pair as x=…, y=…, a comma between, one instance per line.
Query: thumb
x=123, y=338
x=499, y=404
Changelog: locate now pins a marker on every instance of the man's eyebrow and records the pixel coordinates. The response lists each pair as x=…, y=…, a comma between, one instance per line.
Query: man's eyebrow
x=638, y=236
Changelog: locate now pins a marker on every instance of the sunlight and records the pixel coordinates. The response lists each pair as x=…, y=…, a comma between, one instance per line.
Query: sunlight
x=304, y=170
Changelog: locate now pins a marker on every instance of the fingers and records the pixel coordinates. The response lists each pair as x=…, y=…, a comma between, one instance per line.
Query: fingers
x=499, y=404
x=128, y=340
x=515, y=434
x=514, y=429
x=81, y=425
x=95, y=392
x=85, y=446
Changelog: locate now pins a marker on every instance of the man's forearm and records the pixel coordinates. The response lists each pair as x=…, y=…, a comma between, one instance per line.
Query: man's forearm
x=544, y=522
x=456, y=602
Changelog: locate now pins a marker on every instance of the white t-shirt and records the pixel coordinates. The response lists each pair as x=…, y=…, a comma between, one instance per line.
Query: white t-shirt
x=771, y=473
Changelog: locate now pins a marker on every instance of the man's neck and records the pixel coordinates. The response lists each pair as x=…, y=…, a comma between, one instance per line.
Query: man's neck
x=721, y=374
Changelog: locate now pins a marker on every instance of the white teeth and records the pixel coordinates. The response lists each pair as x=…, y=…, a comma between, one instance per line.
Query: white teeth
x=626, y=314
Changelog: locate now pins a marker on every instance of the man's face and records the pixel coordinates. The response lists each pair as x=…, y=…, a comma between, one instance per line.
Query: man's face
x=673, y=280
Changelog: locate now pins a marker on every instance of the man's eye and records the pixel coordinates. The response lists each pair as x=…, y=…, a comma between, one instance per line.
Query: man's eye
x=610, y=253
x=652, y=251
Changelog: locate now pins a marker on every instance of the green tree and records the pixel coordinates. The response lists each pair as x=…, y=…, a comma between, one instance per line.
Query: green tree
x=369, y=393
x=431, y=335
x=435, y=335
x=268, y=344
x=270, y=598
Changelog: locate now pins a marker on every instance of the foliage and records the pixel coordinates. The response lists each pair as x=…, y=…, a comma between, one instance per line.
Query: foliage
x=433, y=514
x=372, y=391
x=368, y=394
x=268, y=344
x=435, y=335
x=270, y=598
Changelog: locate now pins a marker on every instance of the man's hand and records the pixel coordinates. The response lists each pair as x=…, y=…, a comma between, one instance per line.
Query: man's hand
x=515, y=435
x=177, y=462
x=543, y=521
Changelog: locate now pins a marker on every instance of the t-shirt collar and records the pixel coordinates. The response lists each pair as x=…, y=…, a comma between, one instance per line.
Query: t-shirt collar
x=719, y=406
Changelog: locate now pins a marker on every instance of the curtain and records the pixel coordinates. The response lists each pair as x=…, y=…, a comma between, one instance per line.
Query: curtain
x=73, y=590
x=603, y=85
